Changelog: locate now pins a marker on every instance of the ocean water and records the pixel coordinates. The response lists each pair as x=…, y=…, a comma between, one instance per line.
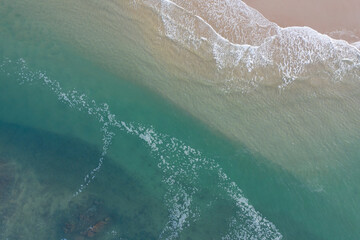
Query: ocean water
x=154, y=119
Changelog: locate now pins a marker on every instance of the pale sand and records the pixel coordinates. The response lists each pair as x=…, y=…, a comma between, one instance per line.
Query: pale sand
x=325, y=16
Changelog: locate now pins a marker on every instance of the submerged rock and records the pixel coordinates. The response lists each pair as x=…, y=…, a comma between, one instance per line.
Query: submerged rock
x=98, y=227
x=86, y=222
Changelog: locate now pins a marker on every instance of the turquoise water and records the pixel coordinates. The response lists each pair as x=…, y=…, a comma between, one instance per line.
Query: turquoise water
x=82, y=147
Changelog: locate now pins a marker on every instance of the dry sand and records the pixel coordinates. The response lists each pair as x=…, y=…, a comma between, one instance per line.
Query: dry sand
x=339, y=19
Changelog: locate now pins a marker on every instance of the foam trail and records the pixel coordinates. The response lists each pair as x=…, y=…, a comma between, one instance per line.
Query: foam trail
x=74, y=100
x=178, y=162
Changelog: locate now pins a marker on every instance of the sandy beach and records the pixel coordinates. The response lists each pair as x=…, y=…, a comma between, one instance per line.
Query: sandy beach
x=339, y=19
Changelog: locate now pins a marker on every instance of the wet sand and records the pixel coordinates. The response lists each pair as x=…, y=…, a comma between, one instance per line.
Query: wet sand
x=339, y=19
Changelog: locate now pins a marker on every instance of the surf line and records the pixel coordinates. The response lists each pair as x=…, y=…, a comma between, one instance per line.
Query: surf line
x=177, y=161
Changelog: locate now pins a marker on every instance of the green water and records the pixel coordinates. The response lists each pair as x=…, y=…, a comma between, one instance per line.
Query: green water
x=164, y=174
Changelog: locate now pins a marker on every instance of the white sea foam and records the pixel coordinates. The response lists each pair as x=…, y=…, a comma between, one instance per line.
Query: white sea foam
x=357, y=45
x=179, y=163
x=74, y=100
x=246, y=46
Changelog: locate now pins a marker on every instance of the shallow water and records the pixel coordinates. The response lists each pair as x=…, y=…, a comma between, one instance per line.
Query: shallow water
x=102, y=128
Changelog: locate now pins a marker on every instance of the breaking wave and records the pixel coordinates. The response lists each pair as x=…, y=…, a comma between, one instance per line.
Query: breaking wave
x=248, y=49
